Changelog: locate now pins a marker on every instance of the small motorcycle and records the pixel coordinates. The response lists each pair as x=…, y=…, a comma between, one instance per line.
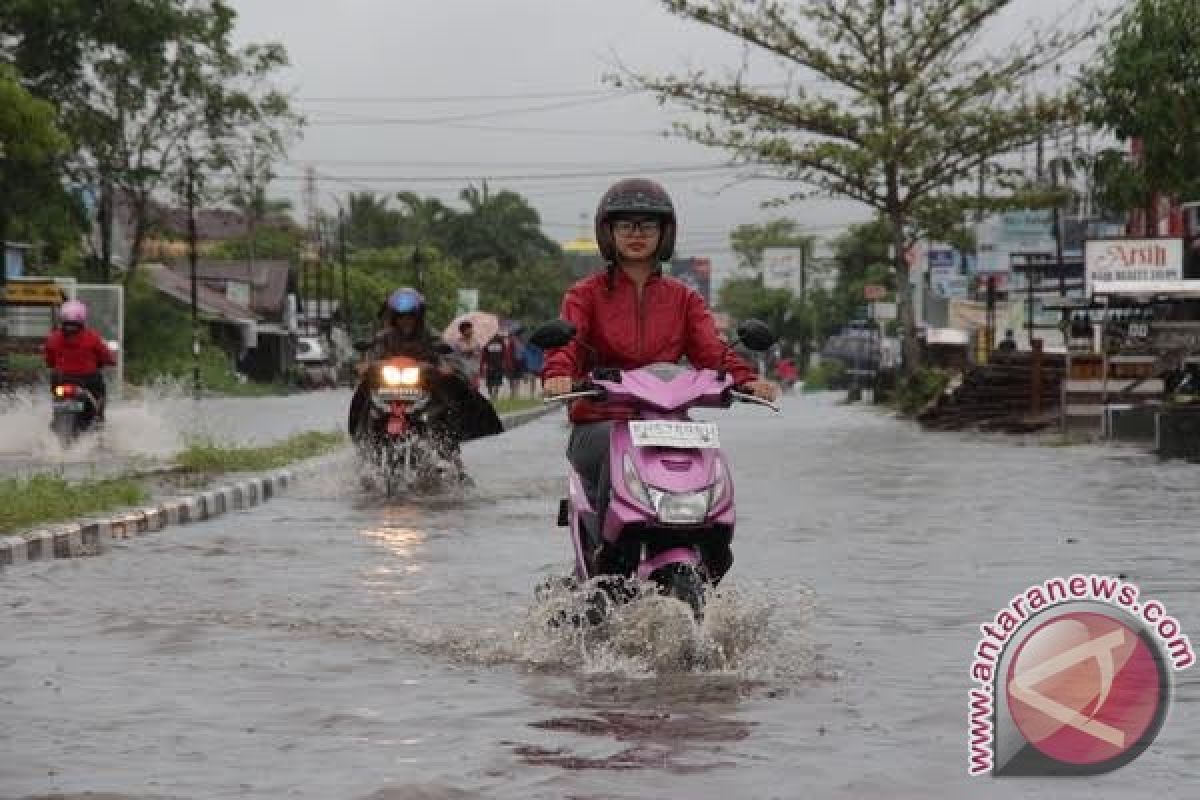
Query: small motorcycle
x=74, y=410
x=398, y=434
x=670, y=517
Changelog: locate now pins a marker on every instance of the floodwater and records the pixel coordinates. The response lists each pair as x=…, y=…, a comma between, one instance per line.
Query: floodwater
x=332, y=645
x=151, y=427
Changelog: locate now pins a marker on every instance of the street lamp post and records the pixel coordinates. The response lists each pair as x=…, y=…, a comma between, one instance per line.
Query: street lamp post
x=192, y=259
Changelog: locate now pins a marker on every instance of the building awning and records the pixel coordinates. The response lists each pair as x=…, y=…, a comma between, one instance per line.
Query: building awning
x=1171, y=289
x=947, y=336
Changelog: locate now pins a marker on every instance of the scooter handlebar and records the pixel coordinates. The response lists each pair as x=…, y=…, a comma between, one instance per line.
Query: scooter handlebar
x=577, y=391
x=745, y=397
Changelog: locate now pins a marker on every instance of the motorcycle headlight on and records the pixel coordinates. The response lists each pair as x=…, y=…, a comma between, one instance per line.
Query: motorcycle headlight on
x=673, y=508
x=400, y=376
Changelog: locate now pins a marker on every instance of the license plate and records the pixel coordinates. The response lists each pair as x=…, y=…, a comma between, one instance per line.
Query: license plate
x=69, y=405
x=670, y=433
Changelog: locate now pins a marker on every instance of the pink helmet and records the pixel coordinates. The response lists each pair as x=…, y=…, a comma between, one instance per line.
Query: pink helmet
x=73, y=311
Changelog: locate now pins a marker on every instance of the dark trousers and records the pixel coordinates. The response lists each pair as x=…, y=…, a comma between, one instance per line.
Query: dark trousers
x=587, y=450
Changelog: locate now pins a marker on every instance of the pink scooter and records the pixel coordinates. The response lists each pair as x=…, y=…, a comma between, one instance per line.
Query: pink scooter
x=670, y=515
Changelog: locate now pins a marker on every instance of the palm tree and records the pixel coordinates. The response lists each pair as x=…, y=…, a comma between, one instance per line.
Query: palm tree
x=369, y=221
x=423, y=220
x=500, y=226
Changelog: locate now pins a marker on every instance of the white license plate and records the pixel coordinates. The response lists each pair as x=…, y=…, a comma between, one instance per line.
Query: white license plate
x=70, y=405
x=669, y=433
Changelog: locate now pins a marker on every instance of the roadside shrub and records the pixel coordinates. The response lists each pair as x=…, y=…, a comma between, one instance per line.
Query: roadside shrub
x=826, y=375
x=916, y=391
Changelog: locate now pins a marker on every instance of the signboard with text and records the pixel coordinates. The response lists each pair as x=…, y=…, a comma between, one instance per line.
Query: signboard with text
x=1139, y=260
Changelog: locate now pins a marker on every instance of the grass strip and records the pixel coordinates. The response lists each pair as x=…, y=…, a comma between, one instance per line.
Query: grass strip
x=27, y=502
x=212, y=457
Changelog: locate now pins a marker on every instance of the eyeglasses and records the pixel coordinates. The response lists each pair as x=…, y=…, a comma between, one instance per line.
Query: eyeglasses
x=626, y=227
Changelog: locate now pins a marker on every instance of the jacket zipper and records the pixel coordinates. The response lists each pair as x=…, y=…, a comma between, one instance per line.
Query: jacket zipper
x=641, y=314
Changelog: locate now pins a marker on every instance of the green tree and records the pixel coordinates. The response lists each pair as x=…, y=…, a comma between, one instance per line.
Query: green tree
x=896, y=106
x=370, y=223
x=141, y=85
x=423, y=220
x=31, y=151
x=1146, y=86
x=502, y=226
x=424, y=268
x=748, y=241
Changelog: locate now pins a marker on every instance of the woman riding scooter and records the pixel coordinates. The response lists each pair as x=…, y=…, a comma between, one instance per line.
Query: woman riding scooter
x=631, y=316
x=75, y=353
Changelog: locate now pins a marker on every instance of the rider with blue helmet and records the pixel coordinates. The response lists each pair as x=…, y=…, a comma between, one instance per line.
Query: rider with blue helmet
x=404, y=332
x=463, y=414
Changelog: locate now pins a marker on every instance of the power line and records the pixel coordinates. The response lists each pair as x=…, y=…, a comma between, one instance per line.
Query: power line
x=462, y=98
x=548, y=176
x=494, y=164
x=537, y=95
x=501, y=112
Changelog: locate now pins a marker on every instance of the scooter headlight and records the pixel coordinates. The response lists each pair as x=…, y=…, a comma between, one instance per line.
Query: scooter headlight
x=720, y=478
x=633, y=482
x=683, y=508
x=400, y=376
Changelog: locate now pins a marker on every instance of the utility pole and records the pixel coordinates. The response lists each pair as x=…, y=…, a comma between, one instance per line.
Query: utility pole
x=314, y=249
x=192, y=259
x=342, y=259
x=982, y=191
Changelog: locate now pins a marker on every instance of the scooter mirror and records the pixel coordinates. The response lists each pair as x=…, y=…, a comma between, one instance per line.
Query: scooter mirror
x=755, y=335
x=557, y=333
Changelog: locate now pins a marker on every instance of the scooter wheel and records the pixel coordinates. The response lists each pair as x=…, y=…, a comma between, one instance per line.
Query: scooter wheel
x=685, y=583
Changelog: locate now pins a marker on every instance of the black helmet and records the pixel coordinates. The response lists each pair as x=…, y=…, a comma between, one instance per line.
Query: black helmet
x=635, y=196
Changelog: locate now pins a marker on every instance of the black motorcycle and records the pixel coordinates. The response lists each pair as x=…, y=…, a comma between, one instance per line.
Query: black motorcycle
x=75, y=410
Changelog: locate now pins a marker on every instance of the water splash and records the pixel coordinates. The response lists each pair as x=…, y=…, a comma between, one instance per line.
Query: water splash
x=751, y=632
x=148, y=425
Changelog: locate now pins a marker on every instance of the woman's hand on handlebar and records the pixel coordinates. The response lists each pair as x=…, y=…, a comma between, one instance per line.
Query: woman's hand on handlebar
x=552, y=387
x=763, y=390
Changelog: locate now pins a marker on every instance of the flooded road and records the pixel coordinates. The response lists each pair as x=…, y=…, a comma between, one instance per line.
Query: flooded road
x=149, y=429
x=329, y=645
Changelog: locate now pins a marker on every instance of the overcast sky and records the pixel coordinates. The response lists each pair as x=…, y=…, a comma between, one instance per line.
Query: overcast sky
x=375, y=78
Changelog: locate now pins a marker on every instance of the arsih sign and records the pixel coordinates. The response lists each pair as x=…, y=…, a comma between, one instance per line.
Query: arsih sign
x=1133, y=260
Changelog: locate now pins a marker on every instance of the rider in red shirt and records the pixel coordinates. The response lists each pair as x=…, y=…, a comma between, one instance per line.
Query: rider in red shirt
x=77, y=353
x=631, y=316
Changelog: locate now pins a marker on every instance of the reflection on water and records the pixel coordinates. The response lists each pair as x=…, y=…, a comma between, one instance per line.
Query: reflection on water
x=401, y=542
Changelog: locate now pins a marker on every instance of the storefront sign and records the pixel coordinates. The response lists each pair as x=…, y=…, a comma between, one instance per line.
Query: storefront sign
x=1133, y=260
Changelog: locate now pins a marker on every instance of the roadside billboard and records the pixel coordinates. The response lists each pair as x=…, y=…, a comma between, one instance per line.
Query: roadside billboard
x=1133, y=260
x=781, y=268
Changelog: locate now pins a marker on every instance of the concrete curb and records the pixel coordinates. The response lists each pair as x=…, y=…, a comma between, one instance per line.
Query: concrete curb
x=94, y=536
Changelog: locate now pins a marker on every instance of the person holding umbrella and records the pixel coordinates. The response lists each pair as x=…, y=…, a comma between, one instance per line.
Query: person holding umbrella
x=469, y=351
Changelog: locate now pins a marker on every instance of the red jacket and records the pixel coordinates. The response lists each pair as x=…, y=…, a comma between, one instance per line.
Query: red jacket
x=79, y=354
x=668, y=321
